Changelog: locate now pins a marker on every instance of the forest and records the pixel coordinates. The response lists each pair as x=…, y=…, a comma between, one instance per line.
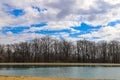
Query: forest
x=49, y=49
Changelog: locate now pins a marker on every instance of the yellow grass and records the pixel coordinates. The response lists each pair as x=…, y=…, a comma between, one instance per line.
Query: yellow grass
x=64, y=64
x=40, y=78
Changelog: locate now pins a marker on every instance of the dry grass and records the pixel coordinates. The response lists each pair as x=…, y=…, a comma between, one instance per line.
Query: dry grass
x=40, y=78
x=63, y=64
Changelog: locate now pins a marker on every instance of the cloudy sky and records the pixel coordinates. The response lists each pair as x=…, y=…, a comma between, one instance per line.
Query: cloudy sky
x=23, y=20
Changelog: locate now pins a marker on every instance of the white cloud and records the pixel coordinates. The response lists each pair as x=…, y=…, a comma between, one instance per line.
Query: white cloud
x=95, y=12
x=61, y=14
x=60, y=25
x=113, y=1
x=15, y=38
x=106, y=33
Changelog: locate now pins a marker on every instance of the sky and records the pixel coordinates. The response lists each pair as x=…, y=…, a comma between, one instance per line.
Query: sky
x=24, y=20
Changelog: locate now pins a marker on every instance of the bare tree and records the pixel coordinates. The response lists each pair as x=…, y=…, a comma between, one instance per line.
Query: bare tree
x=48, y=49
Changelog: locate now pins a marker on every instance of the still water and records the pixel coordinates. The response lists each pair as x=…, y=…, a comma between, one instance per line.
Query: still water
x=68, y=72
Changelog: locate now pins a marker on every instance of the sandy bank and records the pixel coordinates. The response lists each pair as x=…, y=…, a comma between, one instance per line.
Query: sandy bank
x=39, y=78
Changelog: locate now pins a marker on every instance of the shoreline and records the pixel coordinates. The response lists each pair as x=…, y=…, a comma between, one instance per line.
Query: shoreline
x=41, y=78
x=62, y=64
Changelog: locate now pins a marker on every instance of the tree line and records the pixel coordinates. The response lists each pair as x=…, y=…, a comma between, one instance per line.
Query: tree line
x=48, y=49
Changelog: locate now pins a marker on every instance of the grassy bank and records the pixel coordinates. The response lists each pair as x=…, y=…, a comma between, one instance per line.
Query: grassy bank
x=63, y=64
x=40, y=78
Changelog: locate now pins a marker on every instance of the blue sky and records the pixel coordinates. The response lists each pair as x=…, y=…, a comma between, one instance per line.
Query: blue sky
x=25, y=20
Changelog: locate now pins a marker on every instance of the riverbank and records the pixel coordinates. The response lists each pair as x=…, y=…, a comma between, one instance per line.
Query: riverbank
x=63, y=64
x=40, y=78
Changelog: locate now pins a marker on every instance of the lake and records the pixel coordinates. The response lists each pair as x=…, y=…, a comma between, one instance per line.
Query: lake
x=62, y=72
